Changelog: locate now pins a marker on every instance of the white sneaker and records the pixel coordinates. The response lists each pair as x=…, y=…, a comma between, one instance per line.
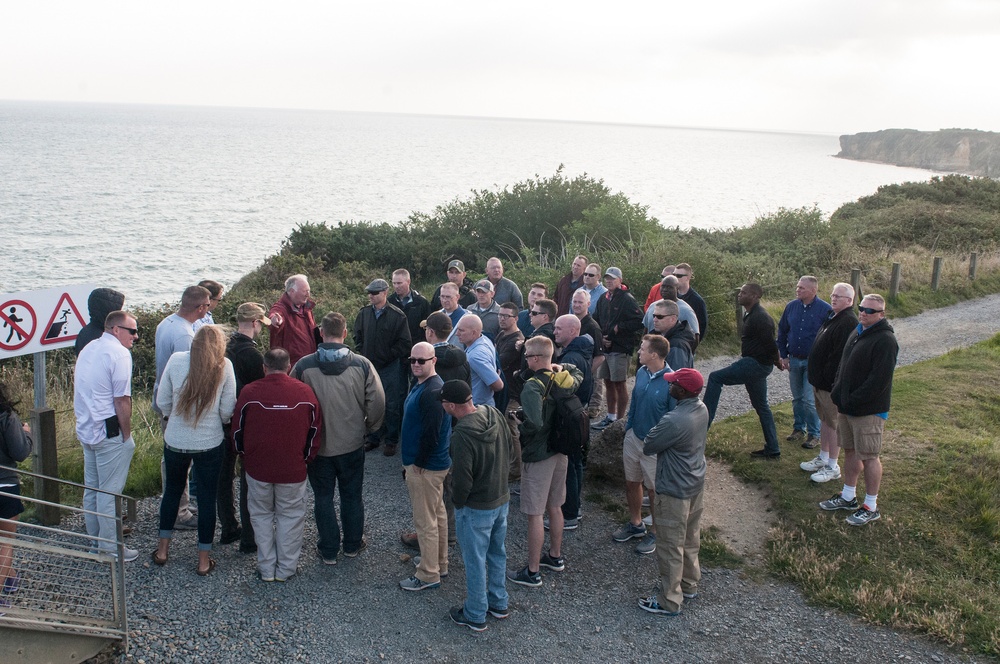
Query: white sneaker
x=130, y=554
x=648, y=519
x=814, y=465
x=826, y=474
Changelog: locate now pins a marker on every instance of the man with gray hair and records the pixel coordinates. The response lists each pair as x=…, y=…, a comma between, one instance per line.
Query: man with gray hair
x=504, y=290
x=582, y=307
x=797, y=330
x=292, y=324
x=824, y=361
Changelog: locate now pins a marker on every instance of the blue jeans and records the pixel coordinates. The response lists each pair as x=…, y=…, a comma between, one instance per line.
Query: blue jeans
x=803, y=398
x=481, y=535
x=574, y=486
x=394, y=387
x=752, y=374
x=105, y=466
x=207, y=465
x=325, y=472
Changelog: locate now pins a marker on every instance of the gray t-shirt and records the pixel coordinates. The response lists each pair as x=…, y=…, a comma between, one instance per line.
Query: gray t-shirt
x=173, y=335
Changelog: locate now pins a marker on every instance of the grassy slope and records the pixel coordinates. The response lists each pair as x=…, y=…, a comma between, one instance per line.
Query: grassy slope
x=932, y=563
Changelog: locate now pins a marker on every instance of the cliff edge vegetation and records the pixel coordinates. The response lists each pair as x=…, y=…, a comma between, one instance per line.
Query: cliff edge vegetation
x=966, y=151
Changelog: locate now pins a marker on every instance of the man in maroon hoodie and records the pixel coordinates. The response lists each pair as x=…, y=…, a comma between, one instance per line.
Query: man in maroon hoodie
x=276, y=430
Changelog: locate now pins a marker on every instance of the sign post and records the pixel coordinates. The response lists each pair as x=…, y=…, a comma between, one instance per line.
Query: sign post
x=21, y=334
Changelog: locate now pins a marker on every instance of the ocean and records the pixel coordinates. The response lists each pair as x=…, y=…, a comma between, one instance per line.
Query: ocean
x=150, y=199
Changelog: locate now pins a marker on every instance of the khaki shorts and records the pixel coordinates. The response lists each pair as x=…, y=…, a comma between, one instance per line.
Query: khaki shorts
x=543, y=485
x=639, y=467
x=826, y=409
x=861, y=434
x=614, y=368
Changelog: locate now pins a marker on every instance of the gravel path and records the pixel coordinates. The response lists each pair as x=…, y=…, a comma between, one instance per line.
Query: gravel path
x=354, y=611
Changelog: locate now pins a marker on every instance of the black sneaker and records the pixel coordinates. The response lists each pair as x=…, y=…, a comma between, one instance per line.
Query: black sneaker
x=837, y=502
x=554, y=564
x=765, y=454
x=526, y=578
x=458, y=617
x=499, y=614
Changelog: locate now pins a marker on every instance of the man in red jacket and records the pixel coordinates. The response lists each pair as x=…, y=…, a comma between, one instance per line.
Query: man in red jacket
x=276, y=430
x=292, y=325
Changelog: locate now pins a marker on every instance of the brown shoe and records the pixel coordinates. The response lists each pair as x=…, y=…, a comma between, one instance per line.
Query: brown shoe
x=371, y=445
x=410, y=541
x=810, y=442
x=795, y=435
x=390, y=449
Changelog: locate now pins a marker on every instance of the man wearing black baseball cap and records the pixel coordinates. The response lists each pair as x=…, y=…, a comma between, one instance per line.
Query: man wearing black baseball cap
x=480, y=454
x=678, y=441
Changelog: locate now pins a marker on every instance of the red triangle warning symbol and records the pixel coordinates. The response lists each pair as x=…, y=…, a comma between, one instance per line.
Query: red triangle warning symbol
x=65, y=322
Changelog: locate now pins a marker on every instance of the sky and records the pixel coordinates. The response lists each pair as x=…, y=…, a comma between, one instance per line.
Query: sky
x=799, y=66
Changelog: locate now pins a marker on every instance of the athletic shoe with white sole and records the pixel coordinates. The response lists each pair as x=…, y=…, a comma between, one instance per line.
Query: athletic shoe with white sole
x=650, y=604
x=825, y=474
x=837, y=502
x=813, y=465
x=628, y=531
x=863, y=516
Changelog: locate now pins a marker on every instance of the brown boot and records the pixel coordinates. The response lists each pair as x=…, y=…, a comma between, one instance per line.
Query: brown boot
x=390, y=449
x=410, y=541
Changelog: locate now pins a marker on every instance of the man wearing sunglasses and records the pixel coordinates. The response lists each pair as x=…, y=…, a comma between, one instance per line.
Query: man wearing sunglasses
x=685, y=275
x=862, y=393
x=353, y=403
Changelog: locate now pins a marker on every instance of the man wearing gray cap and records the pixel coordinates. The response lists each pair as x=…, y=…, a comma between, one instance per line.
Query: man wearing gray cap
x=382, y=334
x=486, y=308
x=456, y=275
x=620, y=318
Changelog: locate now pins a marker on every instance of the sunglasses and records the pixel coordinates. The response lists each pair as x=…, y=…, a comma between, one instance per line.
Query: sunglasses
x=535, y=313
x=680, y=275
x=589, y=275
x=134, y=331
x=869, y=310
x=420, y=360
x=661, y=316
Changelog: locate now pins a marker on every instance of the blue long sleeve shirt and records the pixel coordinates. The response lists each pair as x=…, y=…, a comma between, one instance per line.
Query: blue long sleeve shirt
x=650, y=401
x=799, y=325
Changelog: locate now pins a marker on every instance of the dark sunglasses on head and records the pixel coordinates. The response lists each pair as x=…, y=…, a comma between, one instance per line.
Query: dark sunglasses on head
x=420, y=360
x=869, y=310
x=134, y=331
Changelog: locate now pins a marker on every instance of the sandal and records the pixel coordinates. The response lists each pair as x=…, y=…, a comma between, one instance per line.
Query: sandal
x=160, y=561
x=211, y=567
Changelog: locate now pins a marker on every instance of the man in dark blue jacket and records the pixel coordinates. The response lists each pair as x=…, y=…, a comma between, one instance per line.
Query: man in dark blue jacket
x=578, y=351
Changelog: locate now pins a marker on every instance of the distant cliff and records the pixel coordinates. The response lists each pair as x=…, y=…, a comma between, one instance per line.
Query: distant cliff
x=967, y=151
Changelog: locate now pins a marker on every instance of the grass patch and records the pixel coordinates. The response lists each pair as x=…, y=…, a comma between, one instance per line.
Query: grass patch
x=932, y=564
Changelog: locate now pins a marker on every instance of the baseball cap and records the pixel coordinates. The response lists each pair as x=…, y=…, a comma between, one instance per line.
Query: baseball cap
x=484, y=285
x=456, y=265
x=439, y=322
x=455, y=391
x=690, y=379
x=613, y=272
x=248, y=312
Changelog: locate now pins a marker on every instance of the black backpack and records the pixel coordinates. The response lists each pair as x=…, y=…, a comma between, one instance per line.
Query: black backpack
x=569, y=432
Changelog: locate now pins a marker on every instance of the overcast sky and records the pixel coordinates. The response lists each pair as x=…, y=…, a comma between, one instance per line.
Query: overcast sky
x=834, y=67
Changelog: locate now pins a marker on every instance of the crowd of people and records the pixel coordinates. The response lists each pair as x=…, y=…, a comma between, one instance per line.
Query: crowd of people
x=464, y=388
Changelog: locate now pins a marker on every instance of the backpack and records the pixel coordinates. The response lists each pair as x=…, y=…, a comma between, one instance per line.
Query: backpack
x=569, y=431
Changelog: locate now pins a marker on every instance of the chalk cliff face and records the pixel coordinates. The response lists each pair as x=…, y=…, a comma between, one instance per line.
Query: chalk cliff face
x=967, y=151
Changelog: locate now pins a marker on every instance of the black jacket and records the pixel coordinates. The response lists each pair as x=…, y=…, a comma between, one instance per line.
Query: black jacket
x=102, y=301
x=466, y=295
x=248, y=363
x=383, y=340
x=589, y=326
x=864, y=380
x=416, y=310
x=758, y=336
x=623, y=312
x=452, y=363
x=579, y=353
x=682, y=345
x=828, y=348
x=700, y=311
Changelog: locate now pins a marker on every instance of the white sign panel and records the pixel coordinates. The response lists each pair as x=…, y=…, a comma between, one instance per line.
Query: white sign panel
x=36, y=321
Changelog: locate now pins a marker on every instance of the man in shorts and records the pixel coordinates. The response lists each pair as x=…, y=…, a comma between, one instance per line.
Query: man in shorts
x=862, y=394
x=620, y=318
x=543, y=473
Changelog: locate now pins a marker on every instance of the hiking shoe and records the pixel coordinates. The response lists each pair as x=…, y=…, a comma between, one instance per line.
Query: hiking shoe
x=795, y=435
x=838, y=503
x=628, y=531
x=825, y=474
x=554, y=564
x=361, y=547
x=765, y=454
x=647, y=545
x=390, y=449
x=415, y=584
x=499, y=614
x=410, y=541
x=602, y=424
x=416, y=563
x=811, y=442
x=458, y=617
x=813, y=465
x=863, y=516
x=526, y=578
x=650, y=604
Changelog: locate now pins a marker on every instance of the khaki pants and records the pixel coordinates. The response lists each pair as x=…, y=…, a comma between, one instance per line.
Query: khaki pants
x=431, y=520
x=278, y=515
x=678, y=539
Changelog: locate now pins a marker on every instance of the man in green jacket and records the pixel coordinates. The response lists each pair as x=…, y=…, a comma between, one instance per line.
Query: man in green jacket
x=480, y=456
x=543, y=473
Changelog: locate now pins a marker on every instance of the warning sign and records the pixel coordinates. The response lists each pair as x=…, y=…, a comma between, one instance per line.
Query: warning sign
x=57, y=324
x=17, y=324
x=64, y=324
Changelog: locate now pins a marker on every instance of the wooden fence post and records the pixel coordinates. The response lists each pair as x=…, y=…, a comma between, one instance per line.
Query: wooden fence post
x=856, y=285
x=894, y=281
x=972, y=266
x=936, y=274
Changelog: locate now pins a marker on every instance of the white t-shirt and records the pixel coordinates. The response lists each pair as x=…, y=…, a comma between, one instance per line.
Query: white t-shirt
x=103, y=372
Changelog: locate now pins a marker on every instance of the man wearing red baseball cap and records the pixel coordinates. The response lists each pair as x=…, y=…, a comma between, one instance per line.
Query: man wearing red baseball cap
x=678, y=441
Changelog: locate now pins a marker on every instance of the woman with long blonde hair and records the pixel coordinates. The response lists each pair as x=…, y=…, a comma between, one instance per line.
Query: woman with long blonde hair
x=197, y=395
